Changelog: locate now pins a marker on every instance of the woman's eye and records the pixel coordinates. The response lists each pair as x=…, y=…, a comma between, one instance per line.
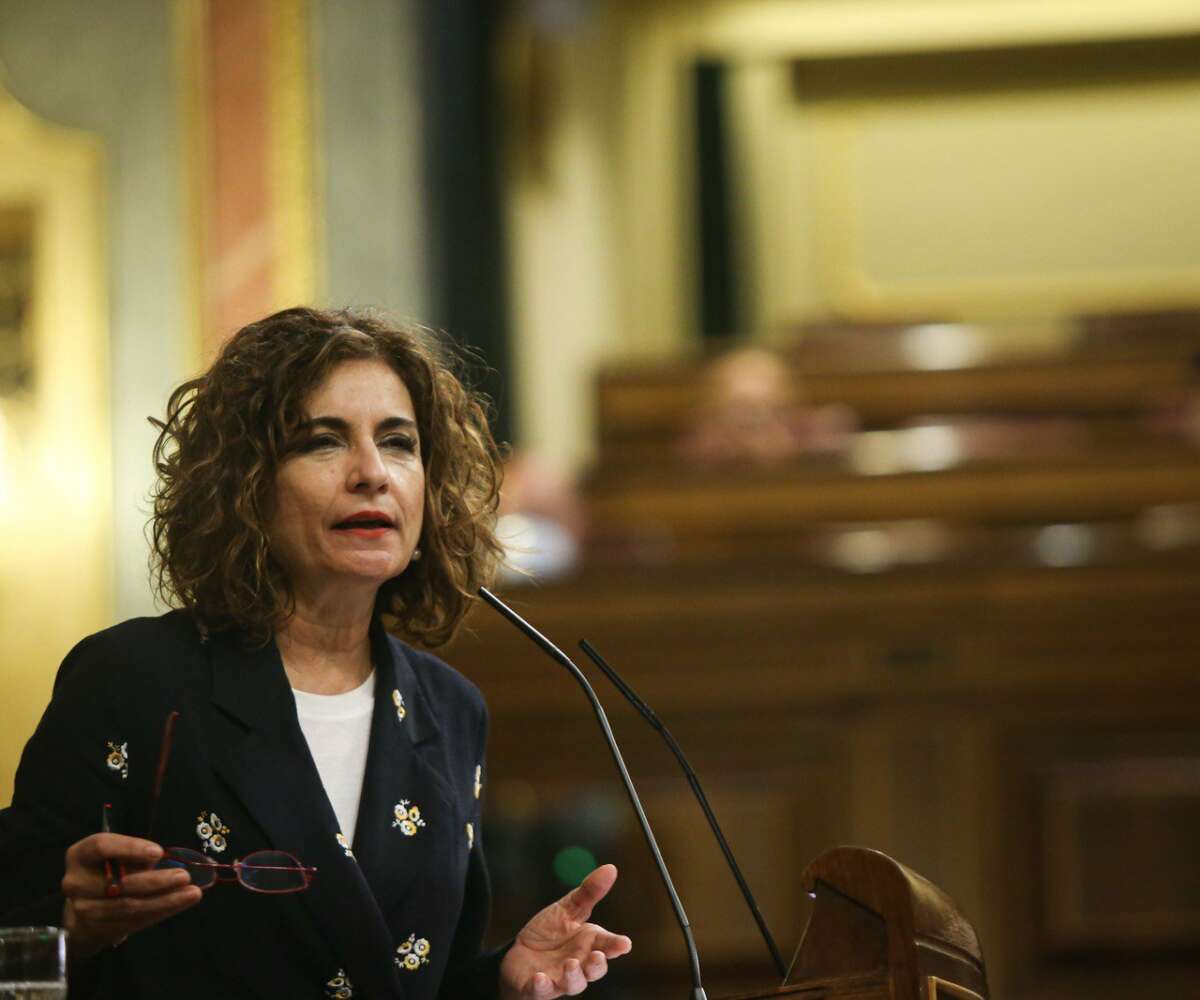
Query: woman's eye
x=402, y=441
x=318, y=441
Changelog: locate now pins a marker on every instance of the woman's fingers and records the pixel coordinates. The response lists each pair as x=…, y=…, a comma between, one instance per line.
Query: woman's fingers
x=147, y=895
x=616, y=945
x=610, y=944
x=595, y=966
x=91, y=882
x=134, y=911
x=113, y=847
x=87, y=859
x=93, y=924
x=154, y=882
x=161, y=907
x=543, y=987
x=573, y=979
x=579, y=902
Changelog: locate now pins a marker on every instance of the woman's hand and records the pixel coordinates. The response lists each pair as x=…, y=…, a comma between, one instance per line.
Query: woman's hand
x=558, y=952
x=94, y=920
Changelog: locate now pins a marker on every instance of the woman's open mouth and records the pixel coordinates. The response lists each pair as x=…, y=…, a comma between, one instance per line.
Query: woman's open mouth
x=369, y=524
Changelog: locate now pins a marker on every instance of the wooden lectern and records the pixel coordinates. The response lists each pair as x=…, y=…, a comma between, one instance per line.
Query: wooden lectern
x=879, y=931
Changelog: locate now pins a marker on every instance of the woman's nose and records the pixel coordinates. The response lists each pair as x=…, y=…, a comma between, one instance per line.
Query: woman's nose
x=368, y=472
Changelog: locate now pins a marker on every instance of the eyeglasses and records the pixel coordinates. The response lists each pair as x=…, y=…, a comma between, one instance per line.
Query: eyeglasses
x=262, y=871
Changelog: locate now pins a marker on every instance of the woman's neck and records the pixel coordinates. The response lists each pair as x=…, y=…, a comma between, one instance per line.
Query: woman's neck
x=324, y=653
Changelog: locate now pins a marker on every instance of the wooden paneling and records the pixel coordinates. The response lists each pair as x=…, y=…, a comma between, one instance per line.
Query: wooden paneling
x=1119, y=871
x=984, y=667
x=688, y=506
x=918, y=713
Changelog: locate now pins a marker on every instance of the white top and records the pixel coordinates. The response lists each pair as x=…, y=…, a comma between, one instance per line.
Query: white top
x=338, y=730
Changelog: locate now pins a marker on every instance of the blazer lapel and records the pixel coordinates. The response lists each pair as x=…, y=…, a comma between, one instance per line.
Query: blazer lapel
x=391, y=849
x=267, y=763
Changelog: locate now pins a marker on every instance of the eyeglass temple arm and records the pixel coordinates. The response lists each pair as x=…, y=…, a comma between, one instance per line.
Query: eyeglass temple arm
x=164, y=754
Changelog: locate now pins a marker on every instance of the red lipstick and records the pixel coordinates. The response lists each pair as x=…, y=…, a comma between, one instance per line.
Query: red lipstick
x=366, y=524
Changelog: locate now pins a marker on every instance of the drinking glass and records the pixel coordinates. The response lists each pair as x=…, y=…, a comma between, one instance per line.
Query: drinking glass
x=33, y=963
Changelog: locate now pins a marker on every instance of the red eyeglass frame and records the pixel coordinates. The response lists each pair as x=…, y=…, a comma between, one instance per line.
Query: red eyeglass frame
x=169, y=853
x=237, y=867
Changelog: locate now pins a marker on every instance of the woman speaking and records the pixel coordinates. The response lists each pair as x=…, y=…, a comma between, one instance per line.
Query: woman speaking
x=265, y=793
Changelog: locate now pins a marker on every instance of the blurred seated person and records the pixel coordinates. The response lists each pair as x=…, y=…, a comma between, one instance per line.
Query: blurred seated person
x=542, y=521
x=749, y=411
x=1175, y=413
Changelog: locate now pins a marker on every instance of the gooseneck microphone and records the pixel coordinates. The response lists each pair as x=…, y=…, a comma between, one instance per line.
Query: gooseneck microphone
x=648, y=714
x=563, y=660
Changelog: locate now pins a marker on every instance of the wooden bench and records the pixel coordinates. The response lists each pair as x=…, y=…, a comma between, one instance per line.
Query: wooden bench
x=1103, y=374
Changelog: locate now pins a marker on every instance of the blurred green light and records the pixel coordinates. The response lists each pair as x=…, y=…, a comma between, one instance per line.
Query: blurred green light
x=573, y=864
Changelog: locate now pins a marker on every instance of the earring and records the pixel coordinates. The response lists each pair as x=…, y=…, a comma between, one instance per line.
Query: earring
x=415, y=556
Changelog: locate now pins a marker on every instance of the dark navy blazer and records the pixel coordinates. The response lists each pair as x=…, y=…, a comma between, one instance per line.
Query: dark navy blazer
x=400, y=913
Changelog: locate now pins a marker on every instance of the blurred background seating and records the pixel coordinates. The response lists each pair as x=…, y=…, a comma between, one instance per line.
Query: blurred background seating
x=963, y=632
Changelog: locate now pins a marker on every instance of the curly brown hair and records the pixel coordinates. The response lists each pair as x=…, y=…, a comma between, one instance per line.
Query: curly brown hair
x=227, y=431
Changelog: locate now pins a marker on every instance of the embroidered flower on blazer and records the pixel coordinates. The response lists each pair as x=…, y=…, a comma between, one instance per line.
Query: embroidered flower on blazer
x=470, y=835
x=398, y=701
x=118, y=758
x=212, y=832
x=344, y=844
x=412, y=954
x=340, y=987
x=408, y=818
x=478, y=779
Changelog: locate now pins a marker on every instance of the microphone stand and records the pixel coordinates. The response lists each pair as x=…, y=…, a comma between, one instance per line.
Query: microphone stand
x=562, y=659
x=649, y=715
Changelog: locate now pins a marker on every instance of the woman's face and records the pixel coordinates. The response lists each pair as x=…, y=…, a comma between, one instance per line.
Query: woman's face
x=349, y=498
